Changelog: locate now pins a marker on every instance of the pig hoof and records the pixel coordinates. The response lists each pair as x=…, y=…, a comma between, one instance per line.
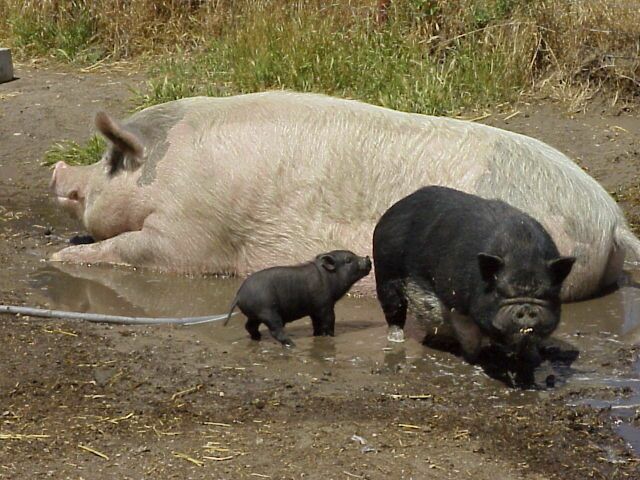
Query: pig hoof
x=395, y=334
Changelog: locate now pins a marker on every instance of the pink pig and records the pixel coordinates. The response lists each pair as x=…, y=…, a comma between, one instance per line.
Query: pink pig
x=237, y=184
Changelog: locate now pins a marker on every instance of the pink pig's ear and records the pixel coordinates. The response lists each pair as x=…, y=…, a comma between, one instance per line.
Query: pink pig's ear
x=129, y=148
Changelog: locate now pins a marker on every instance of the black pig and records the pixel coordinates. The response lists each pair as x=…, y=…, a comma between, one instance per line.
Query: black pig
x=279, y=295
x=493, y=271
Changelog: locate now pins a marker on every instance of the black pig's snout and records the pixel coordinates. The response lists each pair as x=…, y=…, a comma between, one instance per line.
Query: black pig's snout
x=516, y=320
x=526, y=315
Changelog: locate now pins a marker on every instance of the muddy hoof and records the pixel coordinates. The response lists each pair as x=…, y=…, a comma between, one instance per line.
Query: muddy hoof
x=395, y=334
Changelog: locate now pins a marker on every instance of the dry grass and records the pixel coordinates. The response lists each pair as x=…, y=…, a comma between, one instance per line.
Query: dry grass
x=497, y=48
x=586, y=46
x=339, y=50
x=113, y=28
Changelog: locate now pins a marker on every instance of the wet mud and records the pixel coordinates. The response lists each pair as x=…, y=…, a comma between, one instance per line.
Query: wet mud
x=80, y=400
x=579, y=354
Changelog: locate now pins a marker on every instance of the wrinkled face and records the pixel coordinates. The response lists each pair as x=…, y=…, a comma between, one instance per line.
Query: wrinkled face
x=521, y=304
x=345, y=267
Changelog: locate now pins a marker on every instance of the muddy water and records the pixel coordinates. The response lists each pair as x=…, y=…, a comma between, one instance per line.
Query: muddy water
x=593, y=330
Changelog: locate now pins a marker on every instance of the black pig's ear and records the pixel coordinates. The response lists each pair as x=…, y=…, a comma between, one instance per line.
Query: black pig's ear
x=127, y=152
x=327, y=262
x=560, y=268
x=489, y=265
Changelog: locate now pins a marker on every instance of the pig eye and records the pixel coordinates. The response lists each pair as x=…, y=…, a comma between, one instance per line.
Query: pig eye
x=348, y=260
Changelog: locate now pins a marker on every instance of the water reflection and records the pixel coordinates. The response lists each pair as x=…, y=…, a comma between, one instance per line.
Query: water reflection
x=126, y=291
x=119, y=291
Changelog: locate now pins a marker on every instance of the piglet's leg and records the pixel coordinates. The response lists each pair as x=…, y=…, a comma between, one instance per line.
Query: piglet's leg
x=276, y=326
x=468, y=334
x=324, y=323
x=252, y=326
x=140, y=248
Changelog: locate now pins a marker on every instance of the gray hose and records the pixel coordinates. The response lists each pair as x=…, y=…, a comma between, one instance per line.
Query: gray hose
x=99, y=318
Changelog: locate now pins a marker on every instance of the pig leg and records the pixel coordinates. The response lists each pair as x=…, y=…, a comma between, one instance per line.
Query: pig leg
x=276, y=327
x=143, y=247
x=252, y=326
x=468, y=334
x=394, y=305
x=324, y=324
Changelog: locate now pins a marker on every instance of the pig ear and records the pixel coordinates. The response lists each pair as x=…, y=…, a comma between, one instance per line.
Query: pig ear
x=489, y=265
x=129, y=147
x=327, y=262
x=560, y=268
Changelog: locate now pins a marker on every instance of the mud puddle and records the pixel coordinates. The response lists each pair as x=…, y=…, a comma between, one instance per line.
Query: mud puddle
x=592, y=331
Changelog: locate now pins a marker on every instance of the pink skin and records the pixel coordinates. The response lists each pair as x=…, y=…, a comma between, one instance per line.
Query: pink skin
x=106, y=212
x=68, y=199
x=110, y=213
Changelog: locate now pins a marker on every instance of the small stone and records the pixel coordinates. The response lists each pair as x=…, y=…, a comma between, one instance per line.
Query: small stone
x=6, y=65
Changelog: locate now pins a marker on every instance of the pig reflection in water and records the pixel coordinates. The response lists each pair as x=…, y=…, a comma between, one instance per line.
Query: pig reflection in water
x=123, y=291
x=489, y=270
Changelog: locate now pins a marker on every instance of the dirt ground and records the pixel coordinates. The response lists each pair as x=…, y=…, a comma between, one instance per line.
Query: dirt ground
x=96, y=402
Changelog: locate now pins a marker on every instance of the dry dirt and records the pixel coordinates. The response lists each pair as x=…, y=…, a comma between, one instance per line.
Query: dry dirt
x=96, y=402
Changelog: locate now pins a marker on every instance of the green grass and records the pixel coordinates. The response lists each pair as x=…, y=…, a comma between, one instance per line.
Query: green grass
x=74, y=153
x=69, y=38
x=393, y=66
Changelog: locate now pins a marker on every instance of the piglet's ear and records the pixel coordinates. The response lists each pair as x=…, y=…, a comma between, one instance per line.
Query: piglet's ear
x=128, y=149
x=327, y=262
x=490, y=266
x=560, y=268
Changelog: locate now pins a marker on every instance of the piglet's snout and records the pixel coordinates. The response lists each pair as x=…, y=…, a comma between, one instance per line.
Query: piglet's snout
x=365, y=264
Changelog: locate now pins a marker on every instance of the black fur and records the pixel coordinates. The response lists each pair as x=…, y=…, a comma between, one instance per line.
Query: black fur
x=473, y=254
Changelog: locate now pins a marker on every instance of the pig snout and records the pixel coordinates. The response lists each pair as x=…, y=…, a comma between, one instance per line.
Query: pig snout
x=516, y=321
x=54, y=176
x=526, y=316
x=57, y=168
x=58, y=184
x=65, y=187
x=365, y=264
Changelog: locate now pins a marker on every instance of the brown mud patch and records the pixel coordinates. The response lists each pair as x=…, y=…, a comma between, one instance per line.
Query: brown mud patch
x=80, y=400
